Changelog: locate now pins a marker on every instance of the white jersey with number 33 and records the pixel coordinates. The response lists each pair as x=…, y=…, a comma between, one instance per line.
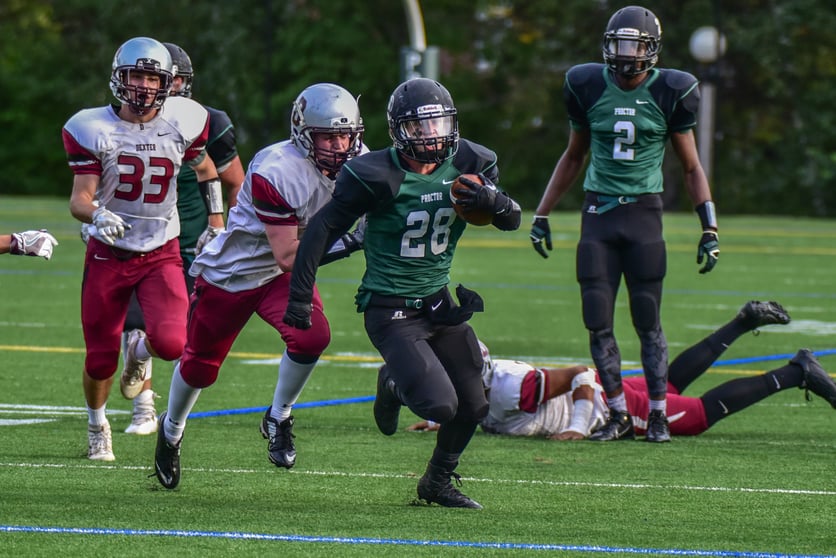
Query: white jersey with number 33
x=138, y=164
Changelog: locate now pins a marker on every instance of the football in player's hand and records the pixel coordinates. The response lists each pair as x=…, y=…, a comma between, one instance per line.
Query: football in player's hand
x=463, y=197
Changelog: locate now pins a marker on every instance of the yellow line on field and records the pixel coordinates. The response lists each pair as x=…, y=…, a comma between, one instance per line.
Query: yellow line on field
x=336, y=358
x=736, y=249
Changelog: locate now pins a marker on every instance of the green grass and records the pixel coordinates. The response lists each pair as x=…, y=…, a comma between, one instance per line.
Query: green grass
x=759, y=483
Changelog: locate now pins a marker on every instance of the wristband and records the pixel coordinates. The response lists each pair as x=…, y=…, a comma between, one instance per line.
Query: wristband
x=212, y=195
x=708, y=215
x=581, y=413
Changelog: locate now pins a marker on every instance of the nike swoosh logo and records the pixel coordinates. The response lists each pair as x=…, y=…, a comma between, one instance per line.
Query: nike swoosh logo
x=448, y=181
x=169, y=133
x=435, y=306
x=98, y=257
x=777, y=383
x=725, y=409
x=640, y=102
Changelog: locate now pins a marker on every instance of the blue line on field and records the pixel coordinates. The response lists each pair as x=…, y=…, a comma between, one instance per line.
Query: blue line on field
x=305, y=405
x=370, y=398
x=398, y=542
x=749, y=360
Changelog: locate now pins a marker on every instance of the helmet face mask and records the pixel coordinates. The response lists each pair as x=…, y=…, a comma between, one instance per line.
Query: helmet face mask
x=632, y=41
x=423, y=122
x=326, y=109
x=182, y=66
x=141, y=56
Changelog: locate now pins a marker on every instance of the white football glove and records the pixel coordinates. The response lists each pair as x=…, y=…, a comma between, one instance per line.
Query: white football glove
x=33, y=243
x=206, y=237
x=109, y=226
x=87, y=230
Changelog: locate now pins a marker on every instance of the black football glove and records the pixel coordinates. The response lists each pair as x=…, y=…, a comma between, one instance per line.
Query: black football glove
x=541, y=234
x=708, y=249
x=298, y=314
x=482, y=197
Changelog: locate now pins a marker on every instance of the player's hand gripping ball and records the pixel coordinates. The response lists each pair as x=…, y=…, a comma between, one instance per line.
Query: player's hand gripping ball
x=470, y=199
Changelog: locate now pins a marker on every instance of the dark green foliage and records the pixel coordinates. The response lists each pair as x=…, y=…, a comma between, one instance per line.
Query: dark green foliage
x=504, y=62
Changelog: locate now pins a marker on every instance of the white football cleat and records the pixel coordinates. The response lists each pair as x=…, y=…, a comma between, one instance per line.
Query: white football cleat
x=134, y=371
x=144, y=419
x=99, y=443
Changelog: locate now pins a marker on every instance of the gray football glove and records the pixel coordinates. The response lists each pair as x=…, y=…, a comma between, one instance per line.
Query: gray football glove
x=206, y=237
x=109, y=226
x=33, y=243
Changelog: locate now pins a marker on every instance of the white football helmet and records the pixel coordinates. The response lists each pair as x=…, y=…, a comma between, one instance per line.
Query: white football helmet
x=326, y=108
x=146, y=55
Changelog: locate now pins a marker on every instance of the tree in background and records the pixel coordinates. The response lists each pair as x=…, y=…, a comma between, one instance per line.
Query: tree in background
x=502, y=60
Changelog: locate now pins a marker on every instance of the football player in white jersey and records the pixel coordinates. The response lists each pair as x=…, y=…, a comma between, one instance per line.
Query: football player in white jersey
x=125, y=159
x=569, y=403
x=246, y=269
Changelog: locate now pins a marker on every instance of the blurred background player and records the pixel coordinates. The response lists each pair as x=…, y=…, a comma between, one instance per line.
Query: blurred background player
x=28, y=243
x=568, y=403
x=623, y=113
x=133, y=245
x=411, y=235
x=246, y=270
x=200, y=208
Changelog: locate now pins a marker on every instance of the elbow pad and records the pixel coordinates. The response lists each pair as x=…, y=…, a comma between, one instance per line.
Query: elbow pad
x=584, y=379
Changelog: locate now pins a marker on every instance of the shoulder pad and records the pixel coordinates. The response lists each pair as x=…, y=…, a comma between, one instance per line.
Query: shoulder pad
x=582, y=74
x=679, y=80
x=217, y=114
x=473, y=157
x=369, y=163
x=186, y=115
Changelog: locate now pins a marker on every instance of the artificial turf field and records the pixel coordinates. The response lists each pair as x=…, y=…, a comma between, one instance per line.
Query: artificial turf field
x=760, y=483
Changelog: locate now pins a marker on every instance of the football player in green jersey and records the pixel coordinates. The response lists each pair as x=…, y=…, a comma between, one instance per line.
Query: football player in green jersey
x=622, y=113
x=412, y=230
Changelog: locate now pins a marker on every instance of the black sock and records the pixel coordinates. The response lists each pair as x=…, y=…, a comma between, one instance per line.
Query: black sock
x=693, y=361
x=735, y=395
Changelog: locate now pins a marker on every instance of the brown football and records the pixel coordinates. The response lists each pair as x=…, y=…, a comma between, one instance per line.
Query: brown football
x=474, y=217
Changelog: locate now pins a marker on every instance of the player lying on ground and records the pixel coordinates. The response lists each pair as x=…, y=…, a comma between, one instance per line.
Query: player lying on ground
x=569, y=403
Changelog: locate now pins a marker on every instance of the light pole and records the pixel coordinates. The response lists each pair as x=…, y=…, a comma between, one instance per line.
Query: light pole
x=418, y=59
x=707, y=45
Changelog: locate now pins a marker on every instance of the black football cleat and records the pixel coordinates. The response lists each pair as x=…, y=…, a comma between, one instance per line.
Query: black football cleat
x=618, y=427
x=815, y=377
x=280, y=448
x=756, y=314
x=658, y=428
x=166, y=458
x=435, y=487
x=387, y=406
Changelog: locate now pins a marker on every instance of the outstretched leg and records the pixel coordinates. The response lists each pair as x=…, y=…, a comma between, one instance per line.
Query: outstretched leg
x=692, y=362
x=804, y=371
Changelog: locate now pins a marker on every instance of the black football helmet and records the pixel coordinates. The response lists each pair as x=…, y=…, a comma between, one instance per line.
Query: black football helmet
x=422, y=121
x=182, y=69
x=145, y=55
x=632, y=41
